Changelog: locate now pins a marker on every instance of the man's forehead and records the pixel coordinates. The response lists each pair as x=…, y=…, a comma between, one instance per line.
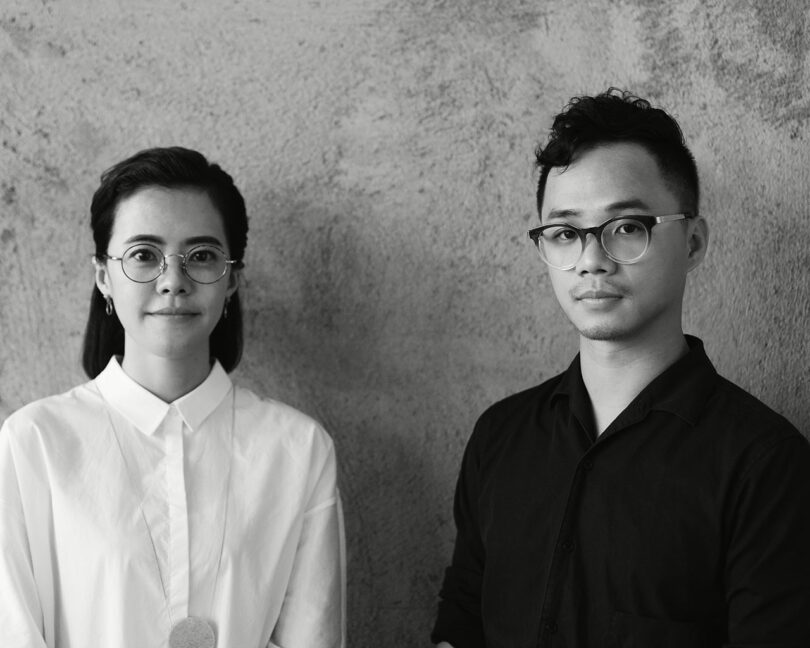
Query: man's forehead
x=610, y=155
x=608, y=178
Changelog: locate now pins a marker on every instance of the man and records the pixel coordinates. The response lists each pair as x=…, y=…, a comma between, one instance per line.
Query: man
x=637, y=499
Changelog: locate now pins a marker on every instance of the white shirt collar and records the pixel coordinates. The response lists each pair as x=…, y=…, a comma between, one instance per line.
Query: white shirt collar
x=146, y=411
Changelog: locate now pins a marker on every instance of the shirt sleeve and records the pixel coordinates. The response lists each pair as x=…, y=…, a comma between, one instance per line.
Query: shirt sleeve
x=313, y=614
x=768, y=557
x=459, y=616
x=20, y=610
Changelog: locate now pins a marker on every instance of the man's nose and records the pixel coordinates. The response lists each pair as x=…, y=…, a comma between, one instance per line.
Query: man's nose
x=594, y=259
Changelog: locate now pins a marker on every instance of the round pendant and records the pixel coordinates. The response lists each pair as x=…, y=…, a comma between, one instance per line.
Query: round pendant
x=192, y=632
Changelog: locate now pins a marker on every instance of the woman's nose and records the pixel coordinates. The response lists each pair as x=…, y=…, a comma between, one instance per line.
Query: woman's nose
x=173, y=279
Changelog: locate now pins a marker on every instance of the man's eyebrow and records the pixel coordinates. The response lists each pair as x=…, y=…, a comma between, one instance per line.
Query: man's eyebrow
x=619, y=205
x=157, y=240
x=631, y=203
x=563, y=213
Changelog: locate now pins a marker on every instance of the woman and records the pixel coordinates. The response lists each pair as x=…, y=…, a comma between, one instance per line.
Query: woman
x=158, y=504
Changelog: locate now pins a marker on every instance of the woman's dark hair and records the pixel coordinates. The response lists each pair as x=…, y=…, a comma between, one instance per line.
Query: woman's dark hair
x=619, y=116
x=173, y=167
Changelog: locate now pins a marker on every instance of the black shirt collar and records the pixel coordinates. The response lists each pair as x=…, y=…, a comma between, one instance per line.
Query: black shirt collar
x=681, y=389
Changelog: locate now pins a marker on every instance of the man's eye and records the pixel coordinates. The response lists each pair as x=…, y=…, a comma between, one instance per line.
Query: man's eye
x=628, y=228
x=564, y=234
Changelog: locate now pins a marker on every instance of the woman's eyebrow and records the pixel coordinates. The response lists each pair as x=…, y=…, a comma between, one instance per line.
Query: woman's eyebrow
x=199, y=240
x=193, y=240
x=144, y=238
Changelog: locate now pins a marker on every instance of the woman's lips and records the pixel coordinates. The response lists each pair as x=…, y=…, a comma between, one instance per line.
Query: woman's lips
x=174, y=312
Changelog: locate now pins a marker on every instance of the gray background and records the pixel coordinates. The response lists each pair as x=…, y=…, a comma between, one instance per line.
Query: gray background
x=385, y=153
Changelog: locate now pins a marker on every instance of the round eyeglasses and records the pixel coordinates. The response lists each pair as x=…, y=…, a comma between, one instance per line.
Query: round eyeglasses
x=203, y=264
x=624, y=239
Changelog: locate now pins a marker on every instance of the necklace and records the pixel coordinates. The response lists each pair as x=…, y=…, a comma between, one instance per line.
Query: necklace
x=192, y=631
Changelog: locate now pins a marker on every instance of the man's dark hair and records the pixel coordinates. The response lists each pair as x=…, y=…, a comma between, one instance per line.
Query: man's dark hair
x=619, y=116
x=172, y=168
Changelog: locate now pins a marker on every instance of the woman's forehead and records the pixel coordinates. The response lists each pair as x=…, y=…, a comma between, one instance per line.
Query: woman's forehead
x=173, y=215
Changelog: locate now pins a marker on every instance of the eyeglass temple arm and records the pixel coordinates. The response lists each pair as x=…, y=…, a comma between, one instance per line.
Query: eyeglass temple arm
x=673, y=217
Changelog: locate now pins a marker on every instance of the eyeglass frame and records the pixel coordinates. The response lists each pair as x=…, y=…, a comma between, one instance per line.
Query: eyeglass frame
x=646, y=220
x=163, y=264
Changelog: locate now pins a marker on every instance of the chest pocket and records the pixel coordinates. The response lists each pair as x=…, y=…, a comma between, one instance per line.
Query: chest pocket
x=633, y=631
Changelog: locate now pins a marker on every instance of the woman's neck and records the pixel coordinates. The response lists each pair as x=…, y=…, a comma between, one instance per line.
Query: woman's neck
x=167, y=378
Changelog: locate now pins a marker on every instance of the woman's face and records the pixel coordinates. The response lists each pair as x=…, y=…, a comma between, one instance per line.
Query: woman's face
x=172, y=316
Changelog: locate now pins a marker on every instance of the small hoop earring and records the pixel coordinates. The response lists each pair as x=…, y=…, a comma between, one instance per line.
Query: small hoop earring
x=225, y=310
x=109, y=307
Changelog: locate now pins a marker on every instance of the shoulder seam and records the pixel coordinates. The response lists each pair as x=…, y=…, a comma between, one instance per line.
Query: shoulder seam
x=769, y=448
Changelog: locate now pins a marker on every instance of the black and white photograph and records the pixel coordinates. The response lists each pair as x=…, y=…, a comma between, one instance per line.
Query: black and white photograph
x=362, y=323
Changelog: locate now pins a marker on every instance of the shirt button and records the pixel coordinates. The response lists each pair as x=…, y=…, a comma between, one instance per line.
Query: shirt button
x=588, y=464
x=568, y=545
x=550, y=627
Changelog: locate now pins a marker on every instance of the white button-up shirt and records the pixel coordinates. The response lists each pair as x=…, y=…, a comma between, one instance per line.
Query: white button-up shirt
x=121, y=514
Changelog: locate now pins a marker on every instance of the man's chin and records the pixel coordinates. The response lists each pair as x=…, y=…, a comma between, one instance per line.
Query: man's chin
x=599, y=334
x=604, y=332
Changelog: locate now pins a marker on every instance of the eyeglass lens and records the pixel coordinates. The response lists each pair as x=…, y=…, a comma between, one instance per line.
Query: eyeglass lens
x=625, y=240
x=203, y=264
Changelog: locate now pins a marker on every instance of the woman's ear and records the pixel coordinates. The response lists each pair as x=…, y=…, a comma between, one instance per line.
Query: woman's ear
x=697, y=241
x=102, y=276
x=234, y=277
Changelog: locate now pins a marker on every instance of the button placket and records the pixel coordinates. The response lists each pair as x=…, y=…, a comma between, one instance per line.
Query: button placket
x=178, y=517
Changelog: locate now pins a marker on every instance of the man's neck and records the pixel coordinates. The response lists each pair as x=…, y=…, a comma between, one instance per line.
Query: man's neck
x=168, y=379
x=615, y=372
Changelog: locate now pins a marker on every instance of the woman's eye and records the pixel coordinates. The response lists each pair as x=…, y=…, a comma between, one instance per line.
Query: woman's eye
x=202, y=256
x=143, y=255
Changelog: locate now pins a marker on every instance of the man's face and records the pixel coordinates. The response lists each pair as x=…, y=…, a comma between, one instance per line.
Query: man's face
x=606, y=300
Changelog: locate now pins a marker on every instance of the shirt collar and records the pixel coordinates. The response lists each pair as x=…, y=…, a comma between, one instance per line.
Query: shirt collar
x=681, y=389
x=573, y=388
x=146, y=411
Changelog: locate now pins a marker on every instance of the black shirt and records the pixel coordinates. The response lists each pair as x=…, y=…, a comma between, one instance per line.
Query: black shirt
x=686, y=523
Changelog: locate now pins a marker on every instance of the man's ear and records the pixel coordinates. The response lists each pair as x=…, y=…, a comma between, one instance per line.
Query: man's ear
x=697, y=240
x=102, y=277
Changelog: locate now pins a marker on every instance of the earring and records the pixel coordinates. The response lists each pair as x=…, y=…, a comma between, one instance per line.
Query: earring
x=109, y=307
x=225, y=310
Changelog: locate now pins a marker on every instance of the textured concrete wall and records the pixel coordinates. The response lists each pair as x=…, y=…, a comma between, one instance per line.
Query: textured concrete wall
x=384, y=149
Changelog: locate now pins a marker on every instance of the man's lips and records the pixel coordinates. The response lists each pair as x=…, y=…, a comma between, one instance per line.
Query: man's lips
x=591, y=293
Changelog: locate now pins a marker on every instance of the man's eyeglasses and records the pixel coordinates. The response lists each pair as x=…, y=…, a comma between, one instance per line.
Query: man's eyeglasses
x=203, y=264
x=624, y=239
